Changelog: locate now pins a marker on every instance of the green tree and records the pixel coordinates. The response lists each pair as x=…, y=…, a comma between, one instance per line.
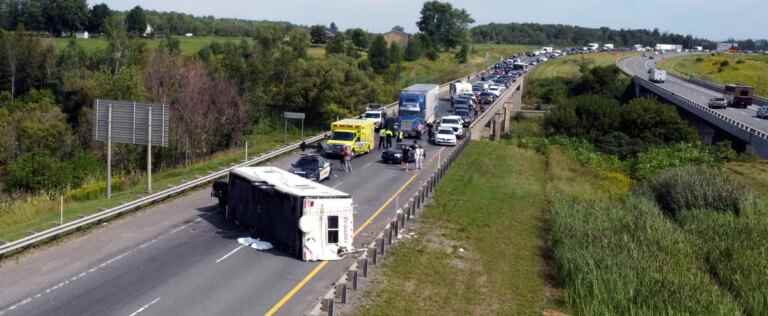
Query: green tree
x=33, y=15
x=413, y=51
x=445, y=25
x=463, y=54
x=395, y=54
x=65, y=15
x=333, y=28
x=654, y=123
x=318, y=34
x=136, y=21
x=97, y=17
x=378, y=54
x=398, y=28
x=298, y=41
x=337, y=45
x=359, y=37
x=170, y=45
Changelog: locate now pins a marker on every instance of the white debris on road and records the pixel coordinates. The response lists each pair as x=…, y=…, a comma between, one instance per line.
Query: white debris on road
x=255, y=243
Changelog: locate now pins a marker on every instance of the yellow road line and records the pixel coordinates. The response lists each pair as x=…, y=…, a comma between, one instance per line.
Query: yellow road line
x=287, y=297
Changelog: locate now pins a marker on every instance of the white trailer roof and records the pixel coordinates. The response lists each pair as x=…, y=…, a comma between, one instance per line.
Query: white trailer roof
x=287, y=182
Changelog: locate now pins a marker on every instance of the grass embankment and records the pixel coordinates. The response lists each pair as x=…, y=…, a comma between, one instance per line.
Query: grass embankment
x=493, y=204
x=568, y=66
x=723, y=68
x=18, y=218
x=189, y=45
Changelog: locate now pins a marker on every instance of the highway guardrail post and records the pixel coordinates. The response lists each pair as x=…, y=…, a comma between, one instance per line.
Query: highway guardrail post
x=341, y=292
x=327, y=305
x=380, y=245
x=352, y=277
x=362, y=264
x=373, y=253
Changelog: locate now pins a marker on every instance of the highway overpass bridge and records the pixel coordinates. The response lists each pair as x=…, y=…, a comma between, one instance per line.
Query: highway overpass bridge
x=742, y=126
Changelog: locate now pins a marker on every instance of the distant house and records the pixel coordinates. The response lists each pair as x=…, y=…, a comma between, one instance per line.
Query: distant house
x=401, y=38
x=82, y=35
x=189, y=35
x=148, y=31
x=724, y=47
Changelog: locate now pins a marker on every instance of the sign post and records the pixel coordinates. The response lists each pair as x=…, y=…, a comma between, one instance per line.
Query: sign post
x=125, y=122
x=292, y=116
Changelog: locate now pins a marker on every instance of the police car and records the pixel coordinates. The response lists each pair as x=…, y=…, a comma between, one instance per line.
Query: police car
x=312, y=167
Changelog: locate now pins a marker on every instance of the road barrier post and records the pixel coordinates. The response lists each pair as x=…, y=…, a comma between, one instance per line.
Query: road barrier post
x=352, y=277
x=373, y=253
x=380, y=245
x=362, y=264
x=327, y=305
x=341, y=292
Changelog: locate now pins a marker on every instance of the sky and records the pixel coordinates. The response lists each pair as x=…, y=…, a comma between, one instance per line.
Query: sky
x=711, y=19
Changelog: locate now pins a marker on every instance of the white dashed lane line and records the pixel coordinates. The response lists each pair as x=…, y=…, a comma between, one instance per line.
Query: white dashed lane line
x=94, y=269
x=143, y=308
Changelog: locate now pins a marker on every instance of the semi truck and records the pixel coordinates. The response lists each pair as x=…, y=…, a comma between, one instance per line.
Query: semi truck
x=356, y=133
x=302, y=218
x=739, y=96
x=657, y=75
x=416, y=108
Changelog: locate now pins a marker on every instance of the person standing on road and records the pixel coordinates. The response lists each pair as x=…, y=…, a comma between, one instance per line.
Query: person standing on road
x=389, y=136
x=347, y=159
x=406, y=151
x=382, y=137
x=420, y=155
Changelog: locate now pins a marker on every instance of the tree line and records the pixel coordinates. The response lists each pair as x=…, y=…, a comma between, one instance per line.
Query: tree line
x=569, y=35
x=59, y=17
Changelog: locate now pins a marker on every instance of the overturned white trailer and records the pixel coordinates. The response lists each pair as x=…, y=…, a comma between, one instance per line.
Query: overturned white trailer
x=303, y=218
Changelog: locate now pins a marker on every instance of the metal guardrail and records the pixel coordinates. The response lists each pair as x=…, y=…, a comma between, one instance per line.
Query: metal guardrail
x=695, y=107
x=692, y=105
x=69, y=227
x=72, y=226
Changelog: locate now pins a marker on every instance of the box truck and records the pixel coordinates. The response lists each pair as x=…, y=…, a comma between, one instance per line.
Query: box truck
x=305, y=219
x=739, y=96
x=459, y=88
x=657, y=75
x=417, y=106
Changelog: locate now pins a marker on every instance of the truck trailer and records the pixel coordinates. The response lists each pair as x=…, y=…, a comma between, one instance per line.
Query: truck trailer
x=305, y=219
x=657, y=75
x=459, y=88
x=417, y=106
x=739, y=96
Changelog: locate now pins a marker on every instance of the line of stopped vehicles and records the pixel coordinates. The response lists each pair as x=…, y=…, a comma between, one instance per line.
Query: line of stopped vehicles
x=300, y=216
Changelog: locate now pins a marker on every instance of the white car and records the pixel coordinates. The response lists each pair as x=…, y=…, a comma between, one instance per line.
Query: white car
x=376, y=116
x=496, y=90
x=454, y=122
x=445, y=136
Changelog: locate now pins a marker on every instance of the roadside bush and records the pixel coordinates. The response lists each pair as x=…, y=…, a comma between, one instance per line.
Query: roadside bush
x=696, y=189
x=699, y=59
x=739, y=61
x=724, y=64
x=656, y=159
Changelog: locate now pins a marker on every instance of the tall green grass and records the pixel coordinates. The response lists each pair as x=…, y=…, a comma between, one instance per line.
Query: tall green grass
x=626, y=258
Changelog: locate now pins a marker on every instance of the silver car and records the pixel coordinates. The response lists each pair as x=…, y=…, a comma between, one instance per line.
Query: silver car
x=717, y=103
x=763, y=112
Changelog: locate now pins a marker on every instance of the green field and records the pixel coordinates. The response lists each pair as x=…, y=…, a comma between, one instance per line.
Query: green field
x=19, y=218
x=723, y=68
x=189, y=45
x=568, y=66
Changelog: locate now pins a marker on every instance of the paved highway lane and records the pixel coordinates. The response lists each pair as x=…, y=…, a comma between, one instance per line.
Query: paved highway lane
x=179, y=258
x=639, y=66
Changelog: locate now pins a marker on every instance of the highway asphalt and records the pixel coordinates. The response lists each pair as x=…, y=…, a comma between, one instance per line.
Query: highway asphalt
x=179, y=258
x=639, y=66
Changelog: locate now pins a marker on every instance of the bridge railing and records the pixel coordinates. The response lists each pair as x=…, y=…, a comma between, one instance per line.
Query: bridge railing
x=696, y=107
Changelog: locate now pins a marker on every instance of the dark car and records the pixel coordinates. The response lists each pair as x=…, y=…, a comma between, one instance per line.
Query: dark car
x=312, y=167
x=466, y=116
x=395, y=156
x=487, y=98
